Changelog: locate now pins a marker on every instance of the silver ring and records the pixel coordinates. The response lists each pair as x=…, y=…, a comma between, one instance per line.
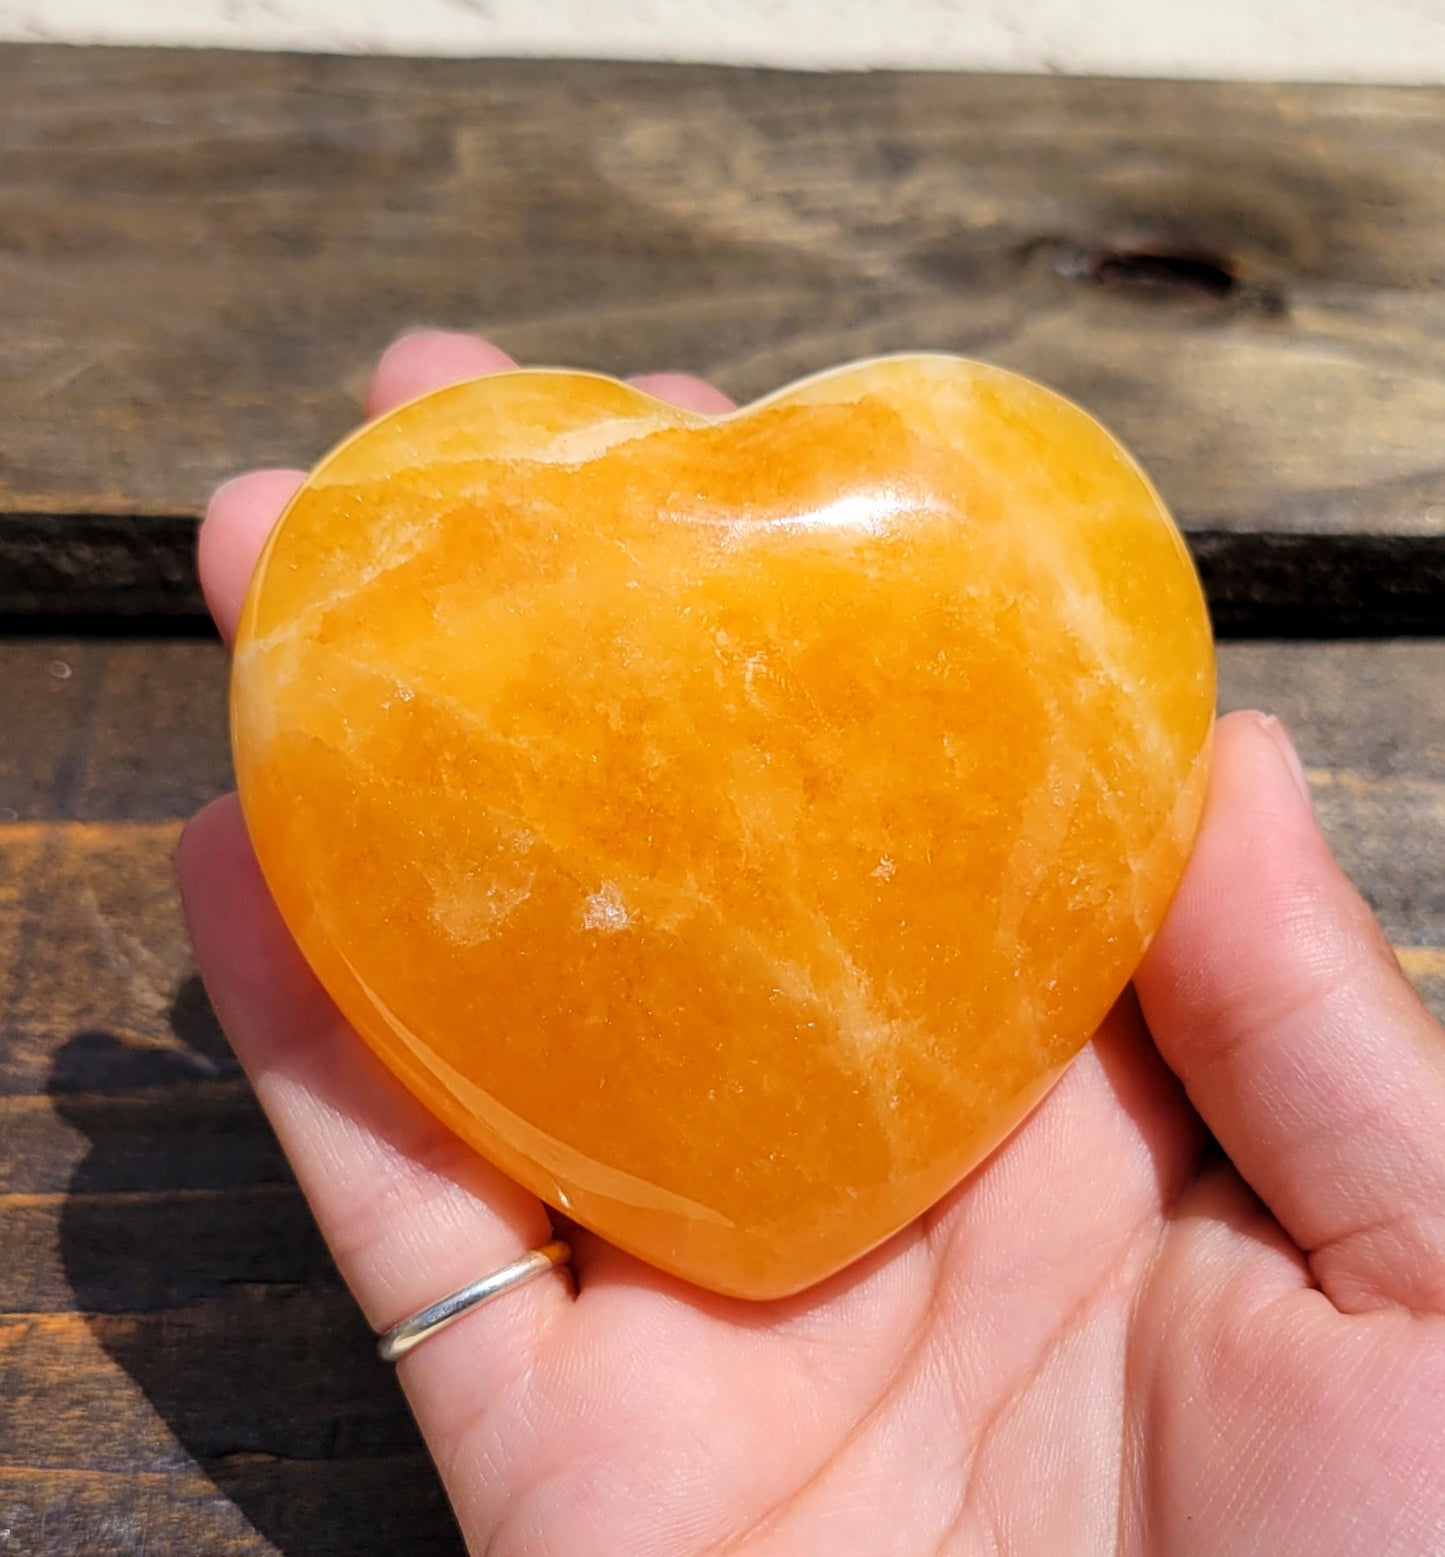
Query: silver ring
x=400, y=1339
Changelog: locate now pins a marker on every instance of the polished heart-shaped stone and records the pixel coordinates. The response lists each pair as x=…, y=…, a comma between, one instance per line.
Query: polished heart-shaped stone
x=730, y=826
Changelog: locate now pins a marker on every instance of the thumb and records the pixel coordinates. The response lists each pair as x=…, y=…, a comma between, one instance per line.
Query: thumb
x=1275, y=997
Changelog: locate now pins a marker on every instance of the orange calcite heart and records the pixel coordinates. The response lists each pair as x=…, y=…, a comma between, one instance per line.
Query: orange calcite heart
x=730, y=826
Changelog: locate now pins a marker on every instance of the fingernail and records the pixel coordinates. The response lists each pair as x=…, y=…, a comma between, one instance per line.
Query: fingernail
x=224, y=486
x=430, y=332
x=1276, y=731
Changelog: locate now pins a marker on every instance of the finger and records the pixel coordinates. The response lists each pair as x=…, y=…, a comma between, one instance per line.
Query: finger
x=1275, y=997
x=238, y=519
x=410, y=1213
x=430, y=359
x=683, y=389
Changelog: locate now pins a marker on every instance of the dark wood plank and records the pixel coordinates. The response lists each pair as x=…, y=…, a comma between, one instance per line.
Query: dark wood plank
x=168, y=1310
x=117, y=729
x=203, y=252
x=1373, y=709
x=180, y=1368
x=242, y=1505
x=330, y=1395
x=107, y=959
x=93, y=1131
x=111, y=729
x=96, y=946
x=157, y=1250
x=93, y=941
x=1369, y=720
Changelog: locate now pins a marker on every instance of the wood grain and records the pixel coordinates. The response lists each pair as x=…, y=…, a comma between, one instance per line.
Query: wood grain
x=201, y=254
x=330, y=1395
x=241, y=1505
x=112, y=729
x=136, y=734
x=180, y=1368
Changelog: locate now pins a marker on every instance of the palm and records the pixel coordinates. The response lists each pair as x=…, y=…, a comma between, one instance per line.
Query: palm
x=1039, y=1366
x=1101, y=1342
x=895, y=1409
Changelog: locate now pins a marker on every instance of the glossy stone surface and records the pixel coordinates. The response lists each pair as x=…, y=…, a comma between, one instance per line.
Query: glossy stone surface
x=730, y=826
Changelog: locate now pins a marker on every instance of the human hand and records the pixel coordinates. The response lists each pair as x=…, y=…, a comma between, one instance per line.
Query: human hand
x=1115, y=1336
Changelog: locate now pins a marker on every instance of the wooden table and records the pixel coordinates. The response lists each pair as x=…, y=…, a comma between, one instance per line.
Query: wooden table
x=200, y=254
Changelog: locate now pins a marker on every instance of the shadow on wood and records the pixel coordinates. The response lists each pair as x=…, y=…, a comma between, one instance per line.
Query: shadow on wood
x=222, y=1304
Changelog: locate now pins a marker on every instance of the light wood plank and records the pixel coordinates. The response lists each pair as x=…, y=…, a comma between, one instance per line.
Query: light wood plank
x=204, y=252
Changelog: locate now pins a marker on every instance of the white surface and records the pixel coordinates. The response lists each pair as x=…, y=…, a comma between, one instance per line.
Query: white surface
x=1321, y=40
